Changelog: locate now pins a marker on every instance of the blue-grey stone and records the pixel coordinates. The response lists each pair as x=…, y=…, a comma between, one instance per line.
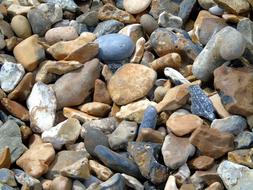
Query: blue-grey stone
x=16, y=120
x=119, y=4
x=186, y=8
x=244, y=140
x=149, y=118
x=7, y=177
x=108, y=27
x=92, y=179
x=201, y=105
x=69, y=5
x=116, y=182
x=3, y=116
x=234, y=124
x=115, y=47
x=6, y=187
x=216, y=10
x=117, y=162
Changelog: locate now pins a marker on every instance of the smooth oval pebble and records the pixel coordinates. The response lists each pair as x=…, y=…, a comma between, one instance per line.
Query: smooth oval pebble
x=21, y=26
x=115, y=47
x=134, y=7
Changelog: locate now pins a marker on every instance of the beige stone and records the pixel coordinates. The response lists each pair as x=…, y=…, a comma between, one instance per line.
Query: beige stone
x=20, y=25
x=139, y=51
x=81, y=116
x=103, y=173
x=202, y=163
x=134, y=31
x=242, y=156
x=101, y=93
x=60, y=183
x=96, y=109
x=218, y=106
x=150, y=135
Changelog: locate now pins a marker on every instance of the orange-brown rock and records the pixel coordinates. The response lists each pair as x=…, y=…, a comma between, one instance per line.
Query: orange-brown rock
x=242, y=156
x=96, y=109
x=212, y=142
x=202, y=163
x=81, y=116
x=235, y=86
x=5, y=158
x=101, y=93
x=15, y=109
x=150, y=135
x=215, y=186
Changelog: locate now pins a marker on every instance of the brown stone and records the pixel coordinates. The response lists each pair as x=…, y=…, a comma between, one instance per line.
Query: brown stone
x=231, y=18
x=182, y=125
x=5, y=158
x=150, y=135
x=202, y=163
x=101, y=93
x=103, y=173
x=243, y=157
x=218, y=106
x=234, y=6
x=215, y=186
x=60, y=183
x=36, y=160
x=212, y=142
x=235, y=86
x=108, y=12
x=131, y=82
x=15, y=109
x=35, y=140
x=175, y=98
x=106, y=73
x=23, y=89
x=187, y=187
x=96, y=109
x=46, y=184
x=34, y=53
x=81, y=116
x=25, y=132
x=2, y=94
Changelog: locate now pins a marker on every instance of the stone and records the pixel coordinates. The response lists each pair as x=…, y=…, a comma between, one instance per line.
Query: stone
x=89, y=18
x=115, y=182
x=42, y=106
x=96, y=109
x=77, y=185
x=78, y=170
x=212, y=142
x=233, y=85
x=2, y=94
x=182, y=125
x=108, y=11
x=23, y=89
x=5, y=29
x=121, y=83
x=121, y=47
x=103, y=173
x=150, y=135
x=101, y=93
x=16, y=9
x=106, y=125
x=108, y=27
x=69, y=5
x=206, y=4
x=235, y=7
x=66, y=132
x=242, y=157
x=216, y=10
x=201, y=105
x=48, y=68
x=202, y=163
x=7, y=177
x=175, y=98
x=11, y=138
x=176, y=77
x=15, y=109
x=134, y=31
x=61, y=182
x=36, y=160
x=235, y=176
x=233, y=124
x=5, y=158
x=81, y=116
x=116, y=161
x=171, y=183
x=169, y=20
x=186, y=7
x=26, y=132
x=134, y=111
x=149, y=118
x=125, y=132
x=21, y=26
x=182, y=174
x=64, y=159
x=83, y=79
x=46, y=184
x=218, y=106
x=134, y=8
x=132, y=182
x=139, y=51
x=23, y=178
x=148, y=23
x=176, y=151
x=10, y=75
x=33, y=55
x=157, y=7
x=51, y=11
x=243, y=140
x=213, y=54
x=215, y=186
x=145, y=156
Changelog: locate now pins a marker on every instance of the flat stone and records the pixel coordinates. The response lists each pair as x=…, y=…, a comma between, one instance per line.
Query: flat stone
x=103, y=173
x=139, y=51
x=83, y=79
x=42, y=106
x=218, y=106
x=176, y=77
x=134, y=31
x=61, y=182
x=132, y=182
x=51, y=11
x=150, y=135
x=81, y=116
x=148, y=23
x=88, y=18
x=15, y=9
x=10, y=75
x=242, y=157
x=236, y=7
x=202, y=163
x=132, y=7
x=5, y=158
x=96, y=109
x=101, y=93
x=7, y=177
x=176, y=151
x=108, y=27
x=169, y=20
x=36, y=160
x=11, y=137
x=185, y=9
x=115, y=182
x=33, y=55
x=235, y=176
x=244, y=140
x=212, y=142
x=21, y=26
x=233, y=87
x=66, y=132
x=69, y=5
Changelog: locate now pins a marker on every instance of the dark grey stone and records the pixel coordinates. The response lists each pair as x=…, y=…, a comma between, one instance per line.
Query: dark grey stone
x=108, y=27
x=149, y=118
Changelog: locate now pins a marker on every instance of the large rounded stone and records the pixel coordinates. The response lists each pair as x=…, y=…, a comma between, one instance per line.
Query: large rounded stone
x=131, y=82
x=132, y=7
x=21, y=26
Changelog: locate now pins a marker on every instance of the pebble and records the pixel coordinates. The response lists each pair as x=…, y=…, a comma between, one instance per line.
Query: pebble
x=233, y=6
x=216, y=10
x=168, y=20
x=5, y=158
x=149, y=118
x=242, y=157
x=134, y=8
x=108, y=27
x=103, y=173
x=148, y=23
x=101, y=93
x=61, y=182
x=96, y=109
x=243, y=140
x=134, y=31
x=21, y=26
x=218, y=106
x=150, y=135
x=171, y=183
x=89, y=18
x=10, y=75
x=132, y=182
x=69, y=5
x=202, y=163
x=185, y=9
x=81, y=116
x=7, y=177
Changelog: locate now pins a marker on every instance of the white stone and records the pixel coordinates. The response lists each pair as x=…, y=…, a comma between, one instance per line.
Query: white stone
x=10, y=75
x=66, y=132
x=171, y=183
x=42, y=107
x=175, y=76
x=134, y=7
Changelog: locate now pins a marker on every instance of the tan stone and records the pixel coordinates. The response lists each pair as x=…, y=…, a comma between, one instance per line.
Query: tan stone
x=33, y=54
x=12, y=42
x=139, y=51
x=231, y=18
x=96, y=109
x=108, y=12
x=182, y=125
x=234, y=6
x=46, y=184
x=212, y=142
x=15, y=9
x=36, y=160
x=35, y=140
x=218, y=106
x=187, y=187
x=215, y=186
x=23, y=89
x=130, y=83
x=175, y=98
x=81, y=116
x=150, y=135
x=2, y=94
x=60, y=183
x=15, y=109
x=101, y=93
x=243, y=157
x=134, y=31
x=25, y=132
x=202, y=163
x=5, y=158
x=106, y=73
x=20, y=25
x=114, y=110
x=103, y=173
